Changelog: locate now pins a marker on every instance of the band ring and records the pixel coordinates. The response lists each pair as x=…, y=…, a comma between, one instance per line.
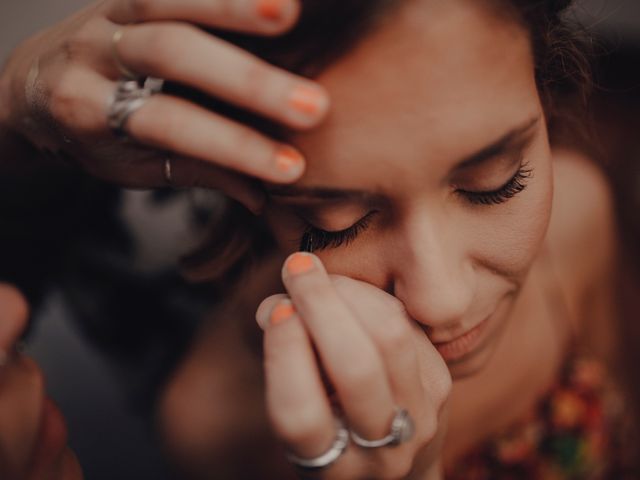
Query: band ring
x=168, y=171
x=327, y=458
x=402, y=429
x=122, y=68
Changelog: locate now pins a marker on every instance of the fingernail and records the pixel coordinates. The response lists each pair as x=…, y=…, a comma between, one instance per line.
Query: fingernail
x=310, y=101
x=270, y=9
x=282, y=312
x=289, y=161
x=299, y=263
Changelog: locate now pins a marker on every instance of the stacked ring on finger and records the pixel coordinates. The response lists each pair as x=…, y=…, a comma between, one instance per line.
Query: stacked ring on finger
x=402, y=429
x=129, y=96
x=327, y=458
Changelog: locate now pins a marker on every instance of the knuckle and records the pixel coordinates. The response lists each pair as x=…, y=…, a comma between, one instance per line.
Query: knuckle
x=396, y=336
x=80, y=44
x=142, y=8
x=298, y=425
x=163, y=46
x=255, y=80
x=360, y=375
x=65, y=99
x=74, y=48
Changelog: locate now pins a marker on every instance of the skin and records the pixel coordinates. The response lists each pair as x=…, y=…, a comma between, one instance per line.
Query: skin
x=33, y=436
x=448, y=262
x=451, y=264
x=56, y=87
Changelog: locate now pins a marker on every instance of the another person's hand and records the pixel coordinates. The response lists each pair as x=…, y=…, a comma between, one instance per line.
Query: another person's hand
x=57, y=88
x=32, y=431
x=338, y=333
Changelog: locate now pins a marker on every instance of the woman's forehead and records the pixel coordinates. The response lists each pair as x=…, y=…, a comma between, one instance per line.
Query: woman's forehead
x=438, y=79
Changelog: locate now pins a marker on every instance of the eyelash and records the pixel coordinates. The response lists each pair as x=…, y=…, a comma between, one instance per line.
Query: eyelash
x=317, y=239
x=509, y=190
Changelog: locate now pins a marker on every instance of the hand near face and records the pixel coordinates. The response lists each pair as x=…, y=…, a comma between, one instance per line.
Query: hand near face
x=361, y=340
x=32, y=430
x=57, y=87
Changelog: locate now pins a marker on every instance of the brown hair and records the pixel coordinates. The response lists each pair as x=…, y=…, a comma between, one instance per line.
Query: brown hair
x=326, y=30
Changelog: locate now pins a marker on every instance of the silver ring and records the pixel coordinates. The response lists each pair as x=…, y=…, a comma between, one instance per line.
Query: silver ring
x=327, y=458
x=122, y=68
x=129, y=96
x=402, y=429
x=168, y=171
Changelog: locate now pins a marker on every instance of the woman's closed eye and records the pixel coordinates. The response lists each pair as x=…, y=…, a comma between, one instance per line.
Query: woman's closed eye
x=514, y=186
x=315, y=238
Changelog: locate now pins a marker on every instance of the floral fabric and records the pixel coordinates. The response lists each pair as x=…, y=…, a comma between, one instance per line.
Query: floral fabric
x=572, y=433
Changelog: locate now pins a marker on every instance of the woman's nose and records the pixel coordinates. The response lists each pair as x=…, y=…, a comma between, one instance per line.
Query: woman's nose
x=433, y=277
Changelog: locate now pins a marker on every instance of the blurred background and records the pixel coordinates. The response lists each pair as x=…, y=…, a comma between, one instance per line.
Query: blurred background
x=111, y=440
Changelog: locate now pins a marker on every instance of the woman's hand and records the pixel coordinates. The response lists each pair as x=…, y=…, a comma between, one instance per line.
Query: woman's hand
x=374, y=356
x=32, y=431
x=56, y=89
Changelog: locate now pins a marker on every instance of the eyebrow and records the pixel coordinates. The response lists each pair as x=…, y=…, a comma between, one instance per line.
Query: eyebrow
x=513, y=140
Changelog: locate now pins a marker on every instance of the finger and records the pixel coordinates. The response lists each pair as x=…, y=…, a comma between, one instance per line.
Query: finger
x=266, y=307
x=21, y=402
x=350, y=357
x=79, y=104
x=66, y=467
x=175, y=125
x=14, y=313
x=386, y=322
x=186, y=55
x=267, y=17
x=51, y=444
x=296, y=400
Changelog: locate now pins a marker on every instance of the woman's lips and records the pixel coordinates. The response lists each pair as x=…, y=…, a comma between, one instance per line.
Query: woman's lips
x=463, y=345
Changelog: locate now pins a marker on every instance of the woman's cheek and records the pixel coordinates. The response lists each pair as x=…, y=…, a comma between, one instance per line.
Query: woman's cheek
x=508, y=237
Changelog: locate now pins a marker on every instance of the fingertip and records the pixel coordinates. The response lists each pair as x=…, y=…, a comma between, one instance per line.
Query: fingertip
x=263, y=313
x=290, y=164
x=283, y=310
x=279, y=15
x=300, y=263
x=311, y=102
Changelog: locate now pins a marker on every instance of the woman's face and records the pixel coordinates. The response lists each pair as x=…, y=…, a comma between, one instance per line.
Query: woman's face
x=431, y=178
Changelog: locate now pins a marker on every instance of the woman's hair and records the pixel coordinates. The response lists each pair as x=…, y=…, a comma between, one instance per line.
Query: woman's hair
x=326, y=31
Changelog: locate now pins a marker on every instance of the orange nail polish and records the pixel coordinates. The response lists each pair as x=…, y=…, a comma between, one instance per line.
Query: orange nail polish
x=299, y=263
x=281, y=313
x=308, y=100
x=271, y=9
x=289, y=161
